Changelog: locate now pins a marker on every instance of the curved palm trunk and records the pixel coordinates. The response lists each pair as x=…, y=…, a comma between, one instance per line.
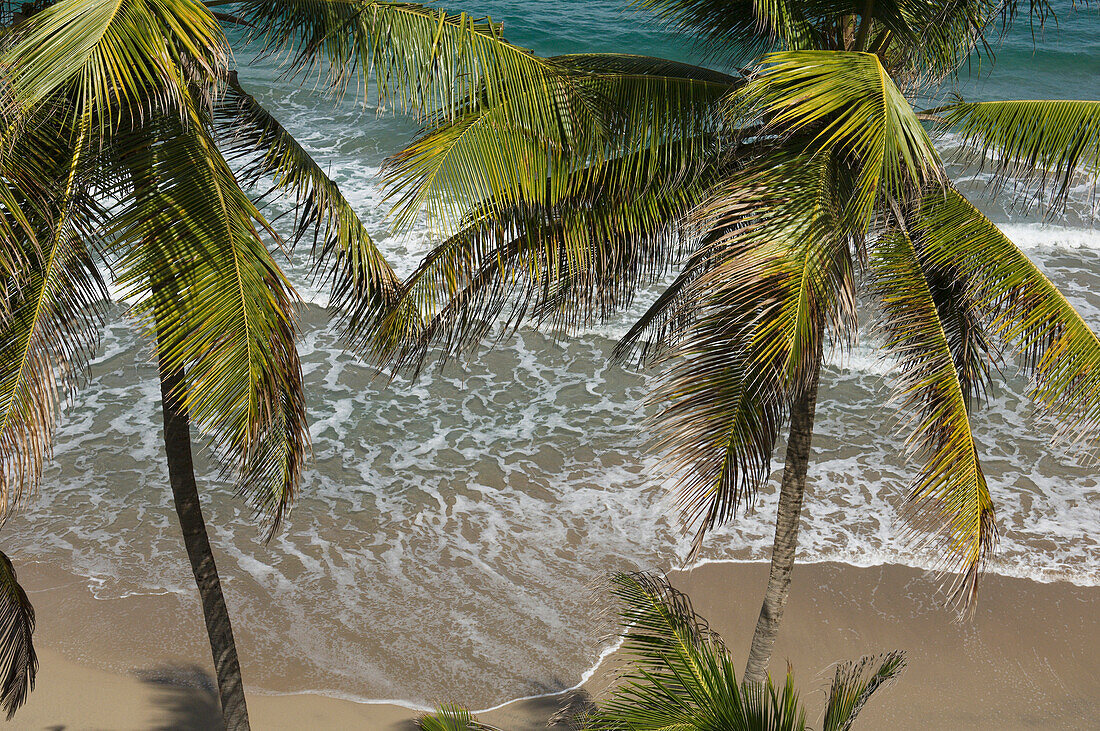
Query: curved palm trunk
x=181, y=472
x=791, y=491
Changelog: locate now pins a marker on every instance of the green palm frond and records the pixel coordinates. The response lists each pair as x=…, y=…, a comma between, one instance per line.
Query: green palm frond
x=122, y=57
x=1047, y=143
x=847, y=104
x=654, y=123
x=564, y=265
x=191, y=254
x=363, y=285
x=18, y=661
x=753, y=324
x=950, y=496
x=853, y=684
x=1021, y=308
x=420, y=59
x=452, y=718
x=52, y=307
x=679, y=674
x=734, y=31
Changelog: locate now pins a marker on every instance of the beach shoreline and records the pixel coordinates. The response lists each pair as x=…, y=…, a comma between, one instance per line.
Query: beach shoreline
x=1029, y=658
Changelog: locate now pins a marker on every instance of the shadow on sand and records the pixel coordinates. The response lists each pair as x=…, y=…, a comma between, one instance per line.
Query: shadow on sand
x=187, y=695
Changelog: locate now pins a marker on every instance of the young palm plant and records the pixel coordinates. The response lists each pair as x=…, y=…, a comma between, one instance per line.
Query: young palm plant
x=131, y=153
x=678, y=674
x=776, y=192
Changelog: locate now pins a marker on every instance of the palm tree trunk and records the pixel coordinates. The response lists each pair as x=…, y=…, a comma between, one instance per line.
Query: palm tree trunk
x=181, y=472
x=789, y=514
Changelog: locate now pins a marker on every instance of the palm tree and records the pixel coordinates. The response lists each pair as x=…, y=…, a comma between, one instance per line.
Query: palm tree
x=678, y=674
x=132, y=153
x=777, y=191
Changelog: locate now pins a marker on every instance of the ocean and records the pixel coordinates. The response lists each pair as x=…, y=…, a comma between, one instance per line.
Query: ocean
x=453, y=531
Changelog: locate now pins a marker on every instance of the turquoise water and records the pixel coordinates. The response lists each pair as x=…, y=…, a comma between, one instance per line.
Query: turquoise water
x=470, y=512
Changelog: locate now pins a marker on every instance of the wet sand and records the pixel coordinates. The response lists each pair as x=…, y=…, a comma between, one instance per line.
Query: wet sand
x=1029, y=658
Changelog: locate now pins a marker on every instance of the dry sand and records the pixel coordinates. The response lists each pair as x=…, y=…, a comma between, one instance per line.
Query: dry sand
x=1030, y=657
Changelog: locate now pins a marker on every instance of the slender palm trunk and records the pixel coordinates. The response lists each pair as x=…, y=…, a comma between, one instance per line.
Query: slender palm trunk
x=181, y=472
x=789, y=514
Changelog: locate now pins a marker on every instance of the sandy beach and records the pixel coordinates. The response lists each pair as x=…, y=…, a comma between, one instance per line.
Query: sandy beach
x=1029, y=658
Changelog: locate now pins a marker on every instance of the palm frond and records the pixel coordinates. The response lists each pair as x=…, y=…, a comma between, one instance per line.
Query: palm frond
x=452, y=718
x=654, y=123
x=853, y=684
x=1021, y=308
x=1047, y=143
x=420, y=59
x=123, y=57
x=563, y=265
x=52, y=306
x=734, y=31
x=191, y=254
x=363, y=286
x=950, y=497
x=845, y=104
x=18, y=661
x=754, y=317
x=679, y=674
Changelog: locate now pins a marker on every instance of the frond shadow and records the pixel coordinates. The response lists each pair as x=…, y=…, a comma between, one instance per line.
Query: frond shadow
x=188, y=696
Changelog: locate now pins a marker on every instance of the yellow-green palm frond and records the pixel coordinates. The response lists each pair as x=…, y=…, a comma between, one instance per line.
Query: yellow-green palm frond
x=853, y=684
x=18, y=661
x=420, y=59
x=1021, y=308
x=564, y=265
x=452, y=718
x=679, y=674
x=1046, y=143
x=653, y=123
x=363, y=286
x=122, y=58
x=774, y=274
x=192, y=255
x=51, y=305
x=845, y=104
x=952, y=509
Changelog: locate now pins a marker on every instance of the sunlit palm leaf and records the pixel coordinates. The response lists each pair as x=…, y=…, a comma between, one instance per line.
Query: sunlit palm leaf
x=52, y=310
x=220, y=309
x=853, y=684
x=1022, y=308
x=18, y=661
x=950, y=494
x=679, y=674
x=452, y=718
x=421, y=59
x=646, y=106
x=363, y=285
x=753, y=319
x=123, y=57
x=564, y=265
x=845, y=103
x=1043, y=142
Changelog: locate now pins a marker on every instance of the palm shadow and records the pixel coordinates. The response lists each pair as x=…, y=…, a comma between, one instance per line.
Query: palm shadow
x=187, y=695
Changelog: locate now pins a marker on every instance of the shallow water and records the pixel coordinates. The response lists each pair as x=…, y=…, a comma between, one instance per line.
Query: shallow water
x=453, y=529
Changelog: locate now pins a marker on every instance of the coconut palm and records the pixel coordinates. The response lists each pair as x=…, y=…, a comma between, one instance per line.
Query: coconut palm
x=132, y=154
x=777, y=187
x=677, y=673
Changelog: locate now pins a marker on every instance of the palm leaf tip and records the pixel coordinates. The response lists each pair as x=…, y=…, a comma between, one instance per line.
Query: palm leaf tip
x=853, y=684
x=451, y=717
x=950, y=510
x=1046, y=144
x=18, y=661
